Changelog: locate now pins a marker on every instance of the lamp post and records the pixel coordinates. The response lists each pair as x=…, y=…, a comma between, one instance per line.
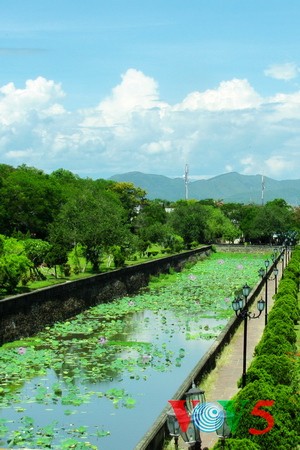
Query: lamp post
x=224, y=431
x=275, y=272
x=192, y=434
x=173, y=427
x=282, y=260
x=240, y=307
x=267, y=263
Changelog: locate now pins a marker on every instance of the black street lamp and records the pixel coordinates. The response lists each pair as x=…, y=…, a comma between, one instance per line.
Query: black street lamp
x=192, y=434
x=224, y=431
x=192, y=397
x=173, y=427
x=263, y=273
x=240, y=307
x=275, y=273
x=282, y=260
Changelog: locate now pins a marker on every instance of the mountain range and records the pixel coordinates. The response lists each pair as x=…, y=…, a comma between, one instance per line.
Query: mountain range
x=229, y=187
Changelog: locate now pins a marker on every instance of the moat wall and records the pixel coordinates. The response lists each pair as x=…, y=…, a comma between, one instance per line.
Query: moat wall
x=26, y=314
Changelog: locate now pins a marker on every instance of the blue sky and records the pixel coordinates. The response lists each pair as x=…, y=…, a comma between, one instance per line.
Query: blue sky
x=104, y=87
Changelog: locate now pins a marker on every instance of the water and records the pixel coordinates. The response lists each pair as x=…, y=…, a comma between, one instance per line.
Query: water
x=151, y=388
x=109, y=393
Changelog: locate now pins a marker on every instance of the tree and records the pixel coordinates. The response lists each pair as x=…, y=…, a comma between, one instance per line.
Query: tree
x=14, y=263
x=56, y=256
x=36, y=251
x=149, y=224
x=131, y=197
x=94, y=221
x=188, y=220
x=219, y=227
x=30, y=200
x=263, y=223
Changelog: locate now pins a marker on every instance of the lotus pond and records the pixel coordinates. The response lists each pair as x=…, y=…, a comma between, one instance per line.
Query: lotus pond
x=100, y=380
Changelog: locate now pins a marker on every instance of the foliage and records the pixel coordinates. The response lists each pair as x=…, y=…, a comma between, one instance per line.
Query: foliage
x=280, y=328
x=280, y=368
x=131, y=197
x=14, y=263
x=236, y=444
x=188, y=219
x=93, y=220
x=37, y=251
x=286, y=410
x=273, y=375
x=30, y=200
x=119, y=255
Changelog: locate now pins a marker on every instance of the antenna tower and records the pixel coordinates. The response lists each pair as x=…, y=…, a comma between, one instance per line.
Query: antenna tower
x=262, y=190
x=186, y=180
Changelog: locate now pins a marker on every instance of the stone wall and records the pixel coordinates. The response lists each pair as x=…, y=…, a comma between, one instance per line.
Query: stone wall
x=26, y=314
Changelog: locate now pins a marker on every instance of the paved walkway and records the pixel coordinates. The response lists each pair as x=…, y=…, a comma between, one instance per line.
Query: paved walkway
x=221, y=383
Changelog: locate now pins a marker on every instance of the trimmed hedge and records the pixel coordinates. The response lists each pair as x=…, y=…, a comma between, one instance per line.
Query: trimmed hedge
x=273, y=376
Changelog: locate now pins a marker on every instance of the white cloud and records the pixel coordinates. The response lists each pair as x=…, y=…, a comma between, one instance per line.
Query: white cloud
x=287, y=71
x=135, y=94
x=230, y=128
x=38, y=96
x=230, y=95
x=278, y=164
x=159, y=147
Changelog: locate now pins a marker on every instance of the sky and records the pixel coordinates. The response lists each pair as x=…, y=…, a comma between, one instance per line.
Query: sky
x=108, y=87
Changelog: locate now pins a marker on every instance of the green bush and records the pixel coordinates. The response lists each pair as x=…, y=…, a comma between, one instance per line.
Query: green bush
x=119, y=255
x=280, y=313
x=284, y=330
x=288, y=304
x=288, y=286
x=280, y=368
x=257, y=373
x=273, y=345
x=236, y=444
x=292, y=271
x=285, y=434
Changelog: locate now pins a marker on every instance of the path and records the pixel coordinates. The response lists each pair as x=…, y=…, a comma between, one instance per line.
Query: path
x=222, y=381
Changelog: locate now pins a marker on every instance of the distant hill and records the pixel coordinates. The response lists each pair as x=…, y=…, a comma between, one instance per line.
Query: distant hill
x=229, y=187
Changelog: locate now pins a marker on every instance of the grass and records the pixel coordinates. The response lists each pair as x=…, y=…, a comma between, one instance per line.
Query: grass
x=84, y=270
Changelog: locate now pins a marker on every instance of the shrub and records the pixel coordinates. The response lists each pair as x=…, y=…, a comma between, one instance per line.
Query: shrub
x=280, y=368
x=236, y=444
x=285, y=434
x=281, y=329
x=119, y=255
x=273, y=345
x=288, y=304
x=280, y=313
x=288, y=286
x=257, y=373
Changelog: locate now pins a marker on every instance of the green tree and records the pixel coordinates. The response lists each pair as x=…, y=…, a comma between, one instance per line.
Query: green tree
x=219, y=227
x=14, y=263
x=94, y=221
x=30, y=200
x=150, y=223
x=263, y=223
x=36, y=251
x=189, y=220
x=131, y=197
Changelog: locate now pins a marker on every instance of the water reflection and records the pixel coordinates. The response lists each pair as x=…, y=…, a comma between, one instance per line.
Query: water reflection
x=111, y=388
